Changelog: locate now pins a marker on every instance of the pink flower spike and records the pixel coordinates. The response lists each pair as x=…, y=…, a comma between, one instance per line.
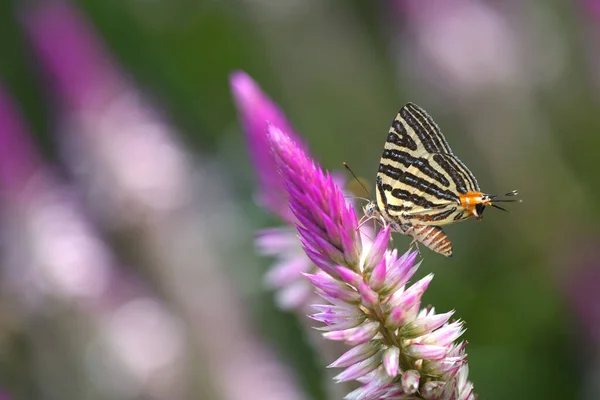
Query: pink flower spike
x=378, y=248
x=425, y=325
x=355, y=355
x=255, y=108
x=391, y=360
x=315, y=197
x=79, y=66
x=426, y=351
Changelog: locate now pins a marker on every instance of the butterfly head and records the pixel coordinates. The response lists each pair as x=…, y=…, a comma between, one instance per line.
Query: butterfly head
x=371, y=210
x=476, y=202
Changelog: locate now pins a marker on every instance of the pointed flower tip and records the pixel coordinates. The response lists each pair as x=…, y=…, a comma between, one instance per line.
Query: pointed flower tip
x=377, y=279
x=248, y=95
x=240, y=80
x=378, y=248
x=276, y=135
x=255, y=107
x=424, y=325
x=412, y=256
x=355, y=355
x=368, y=296
x=427, y=279
x=282, y=146
x=358, y=370
x=349, y=276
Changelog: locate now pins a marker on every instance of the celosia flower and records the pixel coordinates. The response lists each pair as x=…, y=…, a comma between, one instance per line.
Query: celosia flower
x=399, y=351
x=255, y=109
x=291, y=262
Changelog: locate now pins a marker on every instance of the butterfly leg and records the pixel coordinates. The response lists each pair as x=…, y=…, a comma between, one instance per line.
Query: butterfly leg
x=364, y=219
x=415, y=243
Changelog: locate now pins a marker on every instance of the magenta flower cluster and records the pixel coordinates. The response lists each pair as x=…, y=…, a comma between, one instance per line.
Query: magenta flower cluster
x=398, y=349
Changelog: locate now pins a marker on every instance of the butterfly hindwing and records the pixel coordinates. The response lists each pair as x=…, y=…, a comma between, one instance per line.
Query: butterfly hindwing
x=403, y=148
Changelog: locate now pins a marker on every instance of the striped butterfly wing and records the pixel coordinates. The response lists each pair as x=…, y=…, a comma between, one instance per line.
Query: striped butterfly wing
x=419, y=179
x=444, y=205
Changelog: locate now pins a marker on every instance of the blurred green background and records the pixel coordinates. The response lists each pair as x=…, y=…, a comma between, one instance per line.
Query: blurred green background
x=514, y=86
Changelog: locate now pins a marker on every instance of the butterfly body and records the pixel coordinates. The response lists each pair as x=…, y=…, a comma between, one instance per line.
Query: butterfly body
x=421, y=185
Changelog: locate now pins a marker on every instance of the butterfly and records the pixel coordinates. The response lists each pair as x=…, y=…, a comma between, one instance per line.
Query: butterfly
x=421, y=185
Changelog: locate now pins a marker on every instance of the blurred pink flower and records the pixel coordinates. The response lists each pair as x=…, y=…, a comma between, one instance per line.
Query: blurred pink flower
x=255, y=110
x=56, y=240
x=137, y=172
x=130, y=160
x=469, y=46
x=448, y=48
x=19, y=161
x=53, y=258
x=593, y=6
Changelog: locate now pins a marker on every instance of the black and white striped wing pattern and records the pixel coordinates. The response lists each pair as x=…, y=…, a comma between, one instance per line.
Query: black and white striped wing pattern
x=420, y=180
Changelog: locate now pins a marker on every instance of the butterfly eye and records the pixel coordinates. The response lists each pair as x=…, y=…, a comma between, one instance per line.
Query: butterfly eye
x=370, y=209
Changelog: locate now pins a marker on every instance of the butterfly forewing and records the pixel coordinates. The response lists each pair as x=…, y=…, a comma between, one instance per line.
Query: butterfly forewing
x=419, y=179
x=422, y=127
x=440, y=201
x=421, y=184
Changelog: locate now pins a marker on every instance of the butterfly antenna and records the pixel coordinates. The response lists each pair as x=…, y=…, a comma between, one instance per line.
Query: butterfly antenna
x=498, y=198
x=499, y=208
x=356, y=197
x=356, y=178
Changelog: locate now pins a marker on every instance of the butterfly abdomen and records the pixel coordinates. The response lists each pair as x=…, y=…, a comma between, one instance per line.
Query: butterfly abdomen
x=434, y=238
